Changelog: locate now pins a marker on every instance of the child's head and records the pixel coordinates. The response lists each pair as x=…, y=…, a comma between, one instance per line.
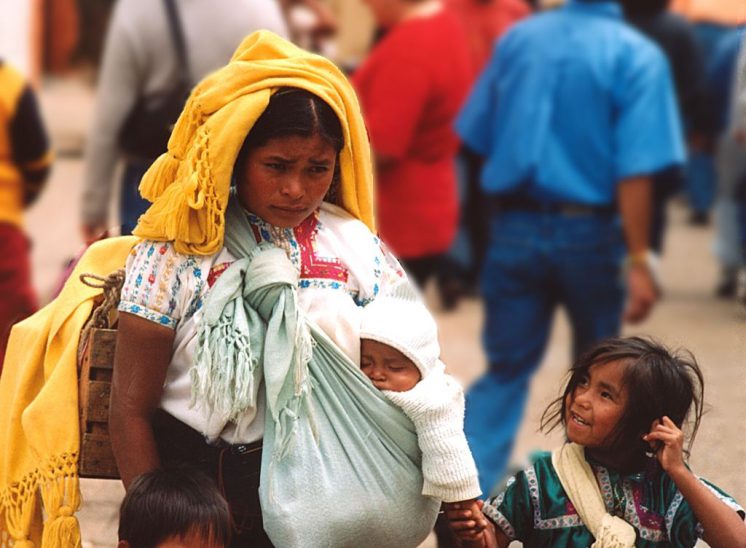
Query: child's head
x=619, y=388
x=399, y=343
x=174, y=508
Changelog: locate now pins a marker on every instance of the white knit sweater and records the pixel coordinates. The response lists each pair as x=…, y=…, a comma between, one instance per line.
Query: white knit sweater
x=436, y=407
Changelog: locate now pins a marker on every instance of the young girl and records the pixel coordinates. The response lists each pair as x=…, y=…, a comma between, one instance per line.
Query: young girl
x=622, y=476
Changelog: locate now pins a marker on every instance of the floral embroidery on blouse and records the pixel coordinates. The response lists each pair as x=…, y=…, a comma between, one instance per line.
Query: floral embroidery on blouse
x=315, y=270
x=215, y=273
x=155, y=275
x=167, y=287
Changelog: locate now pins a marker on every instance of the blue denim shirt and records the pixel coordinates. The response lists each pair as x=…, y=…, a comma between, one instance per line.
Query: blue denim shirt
x=573, y=101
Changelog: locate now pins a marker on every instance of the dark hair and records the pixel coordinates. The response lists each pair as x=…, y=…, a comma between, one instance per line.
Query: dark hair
x=295, y=112
x=659, y=382
x=173, y=502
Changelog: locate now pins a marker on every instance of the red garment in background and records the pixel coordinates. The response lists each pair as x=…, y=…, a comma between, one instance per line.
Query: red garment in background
x=17, y=297
x=411, y=87
x=485, y=22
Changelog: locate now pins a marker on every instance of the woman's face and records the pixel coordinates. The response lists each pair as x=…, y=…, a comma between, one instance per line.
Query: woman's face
x=285, y=180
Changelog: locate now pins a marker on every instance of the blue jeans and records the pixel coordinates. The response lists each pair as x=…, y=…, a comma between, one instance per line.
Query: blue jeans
x=534, y=262
x=131, y=204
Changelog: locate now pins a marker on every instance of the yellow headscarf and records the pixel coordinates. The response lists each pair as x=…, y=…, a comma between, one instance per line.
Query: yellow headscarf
x=189, y=184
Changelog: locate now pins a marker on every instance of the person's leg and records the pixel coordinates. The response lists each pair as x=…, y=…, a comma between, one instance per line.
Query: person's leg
x=17, y=296
x=519, y=301
x=665, y=185
x=589, y=265
x=700, y=183
x=420, y=269
x=131, y=204
x=731, y=167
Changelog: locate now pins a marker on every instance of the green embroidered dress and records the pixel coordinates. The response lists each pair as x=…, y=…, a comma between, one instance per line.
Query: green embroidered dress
x=535, y=509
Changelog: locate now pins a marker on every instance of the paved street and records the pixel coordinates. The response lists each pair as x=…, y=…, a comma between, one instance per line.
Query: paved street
x=687, y=316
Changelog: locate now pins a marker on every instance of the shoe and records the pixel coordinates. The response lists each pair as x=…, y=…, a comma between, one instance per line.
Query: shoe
x=699, y=218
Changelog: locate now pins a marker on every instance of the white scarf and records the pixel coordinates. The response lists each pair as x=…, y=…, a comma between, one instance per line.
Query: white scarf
x=580, y=484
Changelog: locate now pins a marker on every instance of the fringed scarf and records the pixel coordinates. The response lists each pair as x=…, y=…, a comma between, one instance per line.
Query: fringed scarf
x=252, y=330
x=39, y=428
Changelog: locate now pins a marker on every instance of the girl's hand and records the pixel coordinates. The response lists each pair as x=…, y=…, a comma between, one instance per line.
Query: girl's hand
x=667, y=440
x=466, y=518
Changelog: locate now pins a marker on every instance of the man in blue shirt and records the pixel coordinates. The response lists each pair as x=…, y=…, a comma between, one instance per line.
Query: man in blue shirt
x=574, y=115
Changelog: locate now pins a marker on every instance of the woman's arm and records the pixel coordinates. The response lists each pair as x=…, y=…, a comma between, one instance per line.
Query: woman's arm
x=141, y=360
x=722, y=525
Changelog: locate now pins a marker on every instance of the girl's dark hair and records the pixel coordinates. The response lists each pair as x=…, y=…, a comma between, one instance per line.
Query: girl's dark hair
x=295, y=112
x=173, y=502
x=659, y=382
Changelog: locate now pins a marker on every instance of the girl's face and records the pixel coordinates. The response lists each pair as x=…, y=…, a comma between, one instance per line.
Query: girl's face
x=285, y=180
x=594, y=408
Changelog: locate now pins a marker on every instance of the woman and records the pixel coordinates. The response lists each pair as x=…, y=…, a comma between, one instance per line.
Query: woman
x=301, y=182
x=411, y=87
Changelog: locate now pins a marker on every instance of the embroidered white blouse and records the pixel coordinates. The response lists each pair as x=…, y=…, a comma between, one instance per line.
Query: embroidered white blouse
x=342, y=266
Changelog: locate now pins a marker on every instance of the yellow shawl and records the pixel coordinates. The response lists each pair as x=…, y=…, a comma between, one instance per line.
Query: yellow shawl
x=189, y=184
x=39, y=430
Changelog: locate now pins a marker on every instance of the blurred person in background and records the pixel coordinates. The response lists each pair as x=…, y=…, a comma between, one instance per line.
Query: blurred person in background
x=140, y=61
x=574, y=114
x=25, y=158
x=311, y=23
x=485, y=22
x=730, y=205
x=676, y=37
x=410, y=88
x=713, y=20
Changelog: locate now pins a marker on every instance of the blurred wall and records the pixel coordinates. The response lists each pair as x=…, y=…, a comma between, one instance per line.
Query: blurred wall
x=20, y=34
x=355, y=30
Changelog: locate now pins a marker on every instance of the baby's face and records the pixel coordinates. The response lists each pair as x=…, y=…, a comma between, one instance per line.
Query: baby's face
x=388, y=368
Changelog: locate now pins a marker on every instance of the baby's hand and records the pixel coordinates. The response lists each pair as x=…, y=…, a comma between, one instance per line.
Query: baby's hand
x=667, y=440
x=466, y=519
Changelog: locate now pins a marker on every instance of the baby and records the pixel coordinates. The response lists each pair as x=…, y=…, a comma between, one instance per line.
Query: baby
x=399, y=353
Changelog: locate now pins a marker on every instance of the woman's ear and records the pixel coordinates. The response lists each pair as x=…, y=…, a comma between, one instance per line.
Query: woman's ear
x=123, y=544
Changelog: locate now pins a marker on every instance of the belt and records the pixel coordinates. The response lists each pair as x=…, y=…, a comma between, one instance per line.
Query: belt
x=189, y=440
x=517, y=202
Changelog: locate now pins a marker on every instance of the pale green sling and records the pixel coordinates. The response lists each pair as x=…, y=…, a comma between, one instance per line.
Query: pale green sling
x=341, y=465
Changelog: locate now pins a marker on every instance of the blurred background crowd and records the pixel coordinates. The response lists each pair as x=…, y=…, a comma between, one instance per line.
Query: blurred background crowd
x=74, y=71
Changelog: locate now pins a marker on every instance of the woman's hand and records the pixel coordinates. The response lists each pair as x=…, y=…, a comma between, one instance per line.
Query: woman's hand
x=667, y=440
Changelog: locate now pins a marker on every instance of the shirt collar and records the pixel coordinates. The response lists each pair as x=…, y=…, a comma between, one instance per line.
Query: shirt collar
x=609, y=8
